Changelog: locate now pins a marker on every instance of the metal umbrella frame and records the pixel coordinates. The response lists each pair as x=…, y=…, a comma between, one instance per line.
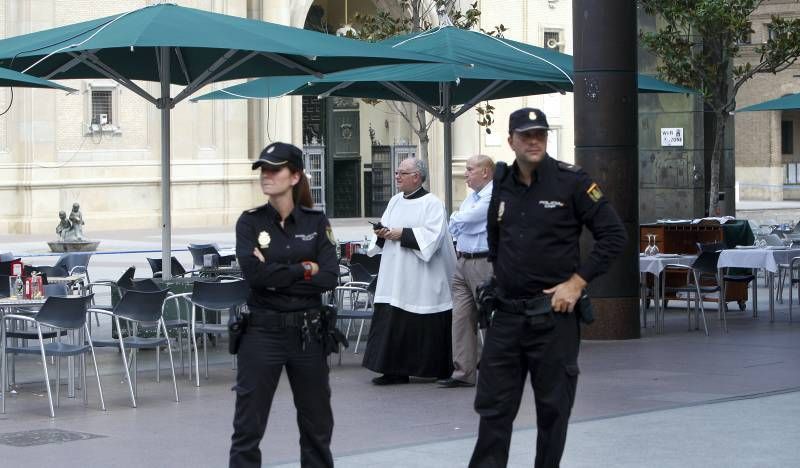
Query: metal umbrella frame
x=170, y=44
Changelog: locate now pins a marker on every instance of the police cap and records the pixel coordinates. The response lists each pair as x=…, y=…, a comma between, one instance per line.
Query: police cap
x=526, y=119
x=279, y=154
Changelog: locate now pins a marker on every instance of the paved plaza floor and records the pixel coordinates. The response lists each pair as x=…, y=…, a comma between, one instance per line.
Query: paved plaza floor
x=677, y=399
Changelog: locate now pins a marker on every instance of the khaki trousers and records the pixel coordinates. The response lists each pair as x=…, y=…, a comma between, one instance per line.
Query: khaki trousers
x=470, y=273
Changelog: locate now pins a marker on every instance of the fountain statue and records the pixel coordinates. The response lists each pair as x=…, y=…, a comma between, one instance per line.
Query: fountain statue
x=70, y=233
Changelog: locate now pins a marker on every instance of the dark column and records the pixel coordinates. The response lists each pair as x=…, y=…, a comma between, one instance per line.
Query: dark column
x=606, y=140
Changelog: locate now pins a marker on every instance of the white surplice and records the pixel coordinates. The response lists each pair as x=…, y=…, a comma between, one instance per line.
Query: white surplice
x=416, y=281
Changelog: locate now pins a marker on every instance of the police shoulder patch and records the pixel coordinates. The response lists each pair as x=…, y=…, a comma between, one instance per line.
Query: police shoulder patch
x=594, y=192
x=329, y=234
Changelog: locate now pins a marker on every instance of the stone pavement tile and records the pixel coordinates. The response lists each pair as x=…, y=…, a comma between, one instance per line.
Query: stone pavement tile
x=753, y=432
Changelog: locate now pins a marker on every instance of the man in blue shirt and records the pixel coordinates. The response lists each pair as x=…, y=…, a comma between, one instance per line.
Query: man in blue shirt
x=468, y=227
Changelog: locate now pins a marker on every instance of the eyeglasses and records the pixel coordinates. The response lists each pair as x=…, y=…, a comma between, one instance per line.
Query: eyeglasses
x=397, y=173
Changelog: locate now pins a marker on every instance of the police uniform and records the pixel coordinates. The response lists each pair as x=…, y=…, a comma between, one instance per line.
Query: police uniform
x=533, y=235
x=284, y=304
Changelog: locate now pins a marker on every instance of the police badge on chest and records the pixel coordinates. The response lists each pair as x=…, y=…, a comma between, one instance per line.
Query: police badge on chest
x=550, y=204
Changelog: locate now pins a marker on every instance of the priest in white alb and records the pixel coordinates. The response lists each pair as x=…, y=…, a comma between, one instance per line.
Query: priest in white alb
x=410, y=333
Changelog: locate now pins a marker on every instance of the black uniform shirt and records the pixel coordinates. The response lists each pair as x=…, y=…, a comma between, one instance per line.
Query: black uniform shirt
x=534, y=231
x=278, y=284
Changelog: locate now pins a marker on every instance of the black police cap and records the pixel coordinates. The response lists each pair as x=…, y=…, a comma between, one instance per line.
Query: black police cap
x=526, y=119
x=279, y=154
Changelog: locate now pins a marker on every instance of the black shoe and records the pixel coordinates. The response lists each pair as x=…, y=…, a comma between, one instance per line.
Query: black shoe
x=453, y=383
x=389, y=379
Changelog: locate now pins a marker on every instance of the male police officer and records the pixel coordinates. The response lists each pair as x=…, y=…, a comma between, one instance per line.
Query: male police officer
x=538, y=208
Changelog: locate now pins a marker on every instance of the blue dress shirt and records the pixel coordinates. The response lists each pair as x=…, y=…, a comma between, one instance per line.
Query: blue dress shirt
x=468, y=224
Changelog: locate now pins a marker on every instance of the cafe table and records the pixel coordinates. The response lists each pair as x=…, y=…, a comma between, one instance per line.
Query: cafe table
x=767, y=258
x=655, y=265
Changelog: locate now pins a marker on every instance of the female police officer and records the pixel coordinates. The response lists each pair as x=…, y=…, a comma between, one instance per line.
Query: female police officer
x=287, y=255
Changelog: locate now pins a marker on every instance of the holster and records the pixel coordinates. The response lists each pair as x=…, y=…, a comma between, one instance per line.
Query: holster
x=487, y=302
x=584, y=309
x=236, y=330
x=330, y=336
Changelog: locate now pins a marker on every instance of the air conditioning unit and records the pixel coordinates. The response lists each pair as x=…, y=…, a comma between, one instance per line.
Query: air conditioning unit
x=554, y=44
x=102, y=119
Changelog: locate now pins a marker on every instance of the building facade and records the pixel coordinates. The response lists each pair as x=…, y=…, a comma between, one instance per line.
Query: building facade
x=768, y=142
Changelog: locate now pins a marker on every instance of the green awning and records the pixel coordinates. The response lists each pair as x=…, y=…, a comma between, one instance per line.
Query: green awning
x=10, y=78
x=503, y=67
x=788, y=102
x=199, y=40
x=649, y=84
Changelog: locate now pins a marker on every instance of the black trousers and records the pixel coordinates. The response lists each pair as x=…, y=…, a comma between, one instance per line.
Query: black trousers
x=514, y=348
x=262, y=356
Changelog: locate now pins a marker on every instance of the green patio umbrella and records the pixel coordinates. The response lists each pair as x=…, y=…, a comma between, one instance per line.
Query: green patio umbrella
x=170, y=44
x=498, y=68
x=11, y=78
x=788, y=102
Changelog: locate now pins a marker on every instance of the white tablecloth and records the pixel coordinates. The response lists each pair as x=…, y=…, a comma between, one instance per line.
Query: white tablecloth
x=656, y=264
x=756, y=258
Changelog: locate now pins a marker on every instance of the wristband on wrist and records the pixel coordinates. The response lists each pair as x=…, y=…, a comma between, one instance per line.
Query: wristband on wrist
x=307, y=271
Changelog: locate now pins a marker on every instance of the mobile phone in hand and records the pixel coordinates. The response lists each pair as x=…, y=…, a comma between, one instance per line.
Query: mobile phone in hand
x=376, y=226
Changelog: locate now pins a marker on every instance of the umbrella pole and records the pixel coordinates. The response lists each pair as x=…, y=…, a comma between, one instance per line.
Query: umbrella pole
x=166, y=204
x=448, y=148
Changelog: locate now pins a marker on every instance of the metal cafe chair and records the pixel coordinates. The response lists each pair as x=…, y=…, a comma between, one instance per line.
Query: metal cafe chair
x=118, y=287
x=178, y=324
x=59, y=313
x=360, y=275
x=137, y=308
x=5, y=285
x=198, y=251
x=701, y=278
x=68, y=264
x=26, y=333
x=175, y=267
x=353, y=303
x=794, y=279
x=371, y=264
x=218, y=296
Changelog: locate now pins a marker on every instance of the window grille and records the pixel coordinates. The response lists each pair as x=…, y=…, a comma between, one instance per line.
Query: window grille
x=102, y=104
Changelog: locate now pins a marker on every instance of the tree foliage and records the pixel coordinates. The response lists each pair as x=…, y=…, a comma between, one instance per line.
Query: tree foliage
x=415, y=16
x=699, y=42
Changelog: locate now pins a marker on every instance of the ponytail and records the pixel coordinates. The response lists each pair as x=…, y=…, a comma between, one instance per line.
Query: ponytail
x=301, y=192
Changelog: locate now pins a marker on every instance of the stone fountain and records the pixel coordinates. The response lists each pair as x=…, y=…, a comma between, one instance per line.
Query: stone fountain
x=70, y=233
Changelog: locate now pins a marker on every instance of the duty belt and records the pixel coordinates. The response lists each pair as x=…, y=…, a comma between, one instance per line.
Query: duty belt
x=274, y=319
x=529, y=306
